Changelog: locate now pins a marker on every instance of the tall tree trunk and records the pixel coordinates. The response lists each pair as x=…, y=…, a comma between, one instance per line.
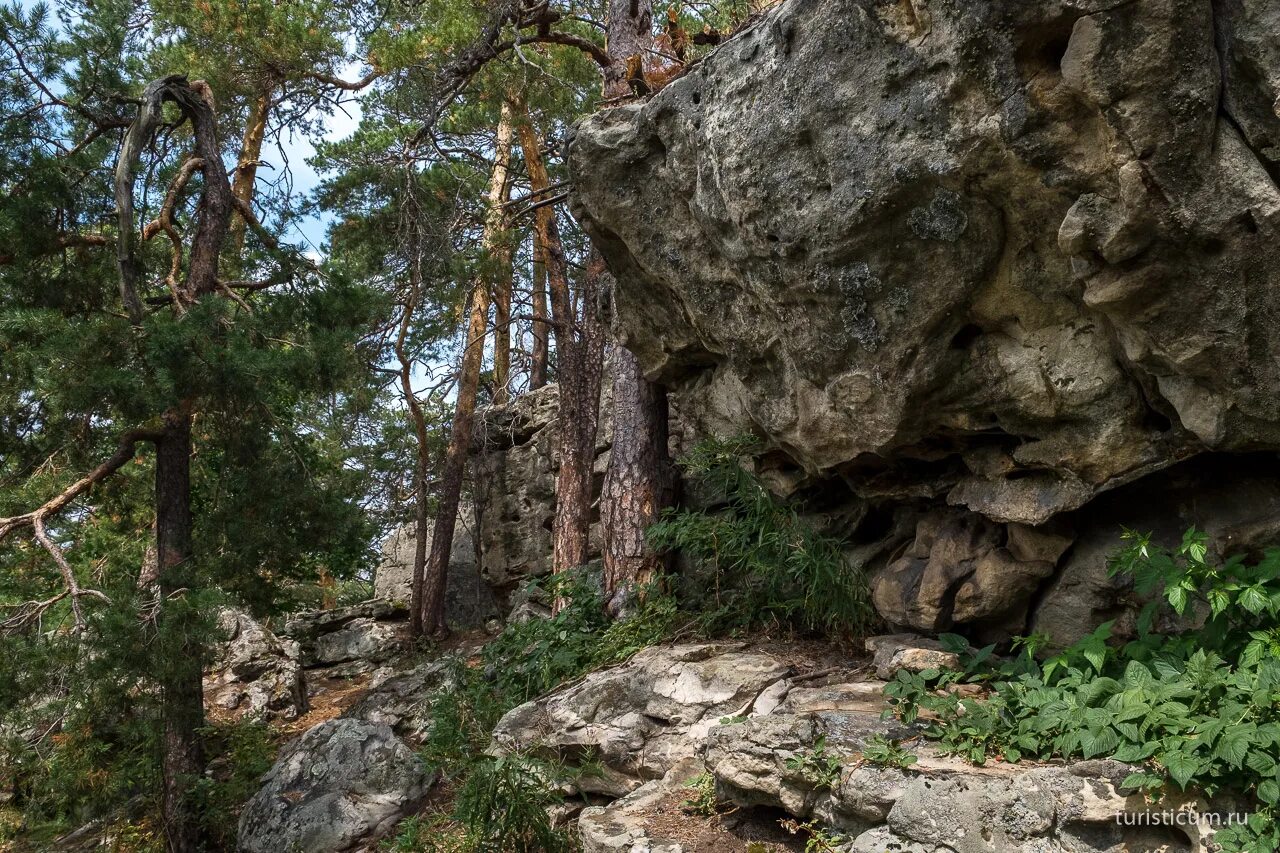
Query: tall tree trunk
x=629, y=33
x=579, y=352
x=541, y=350
x=182, y=689
x=255, y=130
x=635, y=486
x=179, y=679
x=423, y=466
x=502, y=325
x=434, y=581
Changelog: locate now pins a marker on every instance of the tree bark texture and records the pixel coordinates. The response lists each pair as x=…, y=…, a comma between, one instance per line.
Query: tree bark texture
x=579, y=356
x=436, y=574
x=242, y=186
x=541, y=334
x=182, y=689
x=629, y=34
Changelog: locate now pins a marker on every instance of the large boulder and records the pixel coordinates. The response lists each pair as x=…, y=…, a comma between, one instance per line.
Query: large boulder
x=638, y=719
x=342, y=783
x=254, y=672
x=355, y=638
x=1000, y=256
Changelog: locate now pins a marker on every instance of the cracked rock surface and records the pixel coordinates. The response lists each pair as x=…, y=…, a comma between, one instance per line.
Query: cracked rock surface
x=990, y=258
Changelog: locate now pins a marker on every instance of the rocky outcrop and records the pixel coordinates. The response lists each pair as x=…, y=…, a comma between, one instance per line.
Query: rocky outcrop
x=254, y=672
x=469, y=601
x=342, y=783
x=796, y=746
x=513, y=473
x=638, y=719
x=403, y=700
x=355, y=638
x=999, y=257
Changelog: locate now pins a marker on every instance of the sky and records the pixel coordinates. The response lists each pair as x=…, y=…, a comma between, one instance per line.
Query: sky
x=297, y=150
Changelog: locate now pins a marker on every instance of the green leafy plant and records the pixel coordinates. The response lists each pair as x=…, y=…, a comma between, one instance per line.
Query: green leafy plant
x=1194, y=710
x=818, y=839
x=241, y=752
x=702, y=798
x=768, y=563
x=888, y=753
x=816, y=766
x=503, y=805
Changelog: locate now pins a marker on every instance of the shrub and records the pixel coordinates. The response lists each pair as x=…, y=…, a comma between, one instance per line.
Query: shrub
x=769, y=564
x=1193, y=710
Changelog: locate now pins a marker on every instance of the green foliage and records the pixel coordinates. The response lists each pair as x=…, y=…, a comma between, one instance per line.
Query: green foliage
x=1197, y=710
x=769, y=564
x=502, y=802
x=503, y=805
x=888, y=753
x=817, y=838
x=702, y=798
x=240, y=754
x=816, y=766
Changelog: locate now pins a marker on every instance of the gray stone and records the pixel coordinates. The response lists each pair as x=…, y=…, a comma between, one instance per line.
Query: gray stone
x=254, y=672
x=356, y=638
x=622, y=826
x=1005, y=257
x=640, y=718
x=894, y=652
x=341, y=783
x=403, y=701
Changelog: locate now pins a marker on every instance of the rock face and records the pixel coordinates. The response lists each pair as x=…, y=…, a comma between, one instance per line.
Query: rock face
x=254, y=672
x=999, y=257
x=341, y=783
x=513, y=471
x=469, y=602
x=796, y=745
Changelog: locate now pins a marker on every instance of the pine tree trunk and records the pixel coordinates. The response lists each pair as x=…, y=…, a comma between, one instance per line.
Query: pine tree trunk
x=246, y=173
x=635, y=487
x=436, y=574
x=502, y=328
x=541, y=336
x=180, y=679
x=579, y=354
x=422, y=468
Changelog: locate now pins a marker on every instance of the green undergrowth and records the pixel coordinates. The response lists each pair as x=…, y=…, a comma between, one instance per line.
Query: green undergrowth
x=501, y=802
x=762, y=563
x=1197, y=710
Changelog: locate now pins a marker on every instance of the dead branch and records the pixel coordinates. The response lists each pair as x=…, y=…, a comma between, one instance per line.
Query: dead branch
x=31, y=611
x=164, y=222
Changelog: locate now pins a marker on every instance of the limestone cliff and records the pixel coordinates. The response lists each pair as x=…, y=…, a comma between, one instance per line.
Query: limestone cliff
x=966, y=267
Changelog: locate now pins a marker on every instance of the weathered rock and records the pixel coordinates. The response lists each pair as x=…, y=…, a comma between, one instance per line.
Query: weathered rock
x=894, y=652
x=939, y=805
x=403, y=701
x=341, y=783
x=624, y=825
x=357, y=637
x=469, y=602
x=514, y=475
x=638, y=719
x=1004, y=256
x=254, y=672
